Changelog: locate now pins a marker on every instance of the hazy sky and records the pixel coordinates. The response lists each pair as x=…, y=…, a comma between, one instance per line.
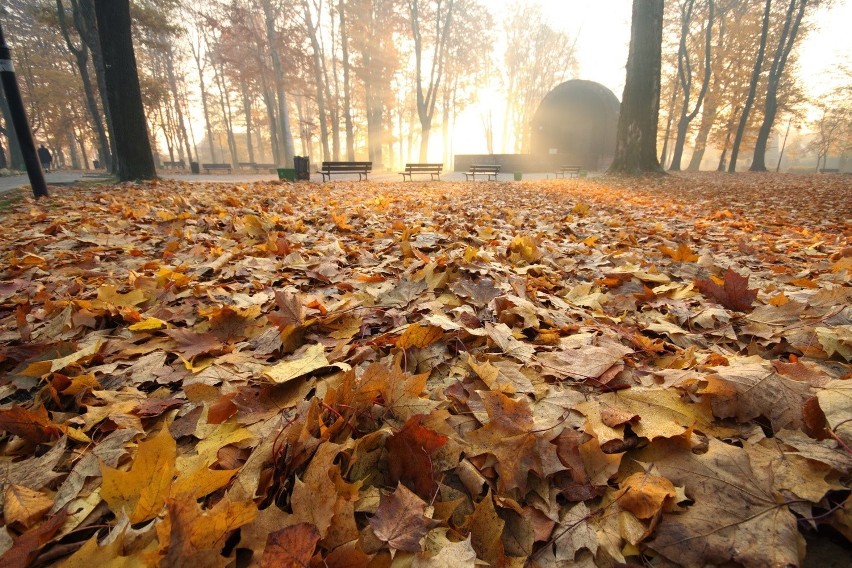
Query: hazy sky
x=602, y=28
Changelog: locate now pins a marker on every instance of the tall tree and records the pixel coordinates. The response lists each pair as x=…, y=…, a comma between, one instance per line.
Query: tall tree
x=636, y=141
x=347, y=87
x=81, y=57
x=427, y=95
x=134, y=158
x=752, y=91
x=792, y=21
x=686, y=116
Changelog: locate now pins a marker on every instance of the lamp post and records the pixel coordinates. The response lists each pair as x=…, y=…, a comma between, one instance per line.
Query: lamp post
x=19, y=119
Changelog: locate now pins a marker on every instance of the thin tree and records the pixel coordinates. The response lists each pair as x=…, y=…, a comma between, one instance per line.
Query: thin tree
x=134, y=158
x=426, y=100
x=347, y=89
x=686, y=116
x=752, y=90
x=636, y=141
x=81, y=57
x=792, y=20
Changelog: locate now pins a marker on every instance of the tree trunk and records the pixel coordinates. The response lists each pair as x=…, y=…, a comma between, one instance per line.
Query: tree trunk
x=752, y=90
x=776, y=71
x=285, y=134
x=205, y=107
x=134, y=157
x=318, y=80
x=86, y=23
x=269, y=103
x=347, y=89
x=225, y=104
x=374, y=124
x=16, y=157
x=664, y=155
x=81, y=57
x=247, y=114
x=170, y=73
x=636, y=142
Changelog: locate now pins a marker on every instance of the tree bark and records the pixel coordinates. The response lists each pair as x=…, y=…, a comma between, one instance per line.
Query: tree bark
x=776, y=71
x=752, y=90
x=318, y=80
x=16, y=157
x=134, y=158
x=636, y=142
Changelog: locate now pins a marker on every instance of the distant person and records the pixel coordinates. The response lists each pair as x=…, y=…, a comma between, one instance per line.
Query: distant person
x=45, y=157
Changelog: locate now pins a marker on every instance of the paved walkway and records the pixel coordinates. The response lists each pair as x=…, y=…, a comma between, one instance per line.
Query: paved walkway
x=65, y=177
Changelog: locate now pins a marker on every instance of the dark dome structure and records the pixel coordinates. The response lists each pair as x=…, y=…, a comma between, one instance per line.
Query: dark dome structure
x=576, y=124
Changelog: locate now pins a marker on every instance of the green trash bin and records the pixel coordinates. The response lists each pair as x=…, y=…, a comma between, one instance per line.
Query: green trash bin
x=519, y=176
x=288, y=174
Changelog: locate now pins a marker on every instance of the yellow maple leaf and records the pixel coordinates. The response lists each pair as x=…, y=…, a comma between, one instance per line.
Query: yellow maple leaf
x=419, y=336
x=142, y=491
x=682, y=254
x=148, y=324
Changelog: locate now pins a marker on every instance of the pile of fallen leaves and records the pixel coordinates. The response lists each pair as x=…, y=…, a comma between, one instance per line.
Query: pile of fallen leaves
x=427, y=374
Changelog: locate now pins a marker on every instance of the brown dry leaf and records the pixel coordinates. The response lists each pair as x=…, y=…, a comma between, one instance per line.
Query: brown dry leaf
x=24, y=506
x=747, y=390
x=736, y=516
x=646, y=495
x=400, y=520
x=835, y=400
x=290, y=547
x=34, y=426
x=141, y=492
x=486, y=531
x=511, y=437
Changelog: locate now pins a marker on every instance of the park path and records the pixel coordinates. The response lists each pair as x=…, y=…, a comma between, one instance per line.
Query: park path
x=12, y=183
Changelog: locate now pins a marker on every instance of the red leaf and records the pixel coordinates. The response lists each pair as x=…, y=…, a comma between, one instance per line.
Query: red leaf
x=409, y=456
x=734, y=295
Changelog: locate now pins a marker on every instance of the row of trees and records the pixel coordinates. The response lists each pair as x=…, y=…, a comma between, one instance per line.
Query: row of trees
x=728, y=74
x=267, y=79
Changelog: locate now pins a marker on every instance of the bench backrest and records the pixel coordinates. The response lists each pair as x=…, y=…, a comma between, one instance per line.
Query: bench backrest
x=424, y=167
x=485, y=168
x=347, y=166
x=571, y=168
x=216, y=166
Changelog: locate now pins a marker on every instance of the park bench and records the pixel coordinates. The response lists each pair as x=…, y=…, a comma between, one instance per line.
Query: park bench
x=434, y=170
x=568, y=171
x=257, y=168
x=488, y=170
x=216, y=167
x=829, y=170
x=360, y=168
x=176, y=165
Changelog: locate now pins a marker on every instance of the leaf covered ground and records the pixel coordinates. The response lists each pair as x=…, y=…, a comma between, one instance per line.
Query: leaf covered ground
x=587, y=372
